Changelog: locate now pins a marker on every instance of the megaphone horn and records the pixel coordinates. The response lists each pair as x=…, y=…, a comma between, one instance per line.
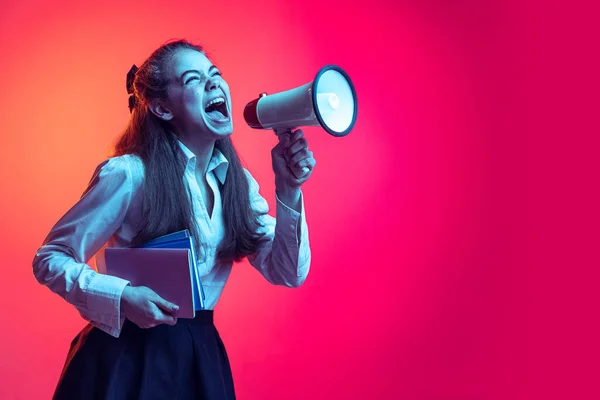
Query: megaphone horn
x=329, y=101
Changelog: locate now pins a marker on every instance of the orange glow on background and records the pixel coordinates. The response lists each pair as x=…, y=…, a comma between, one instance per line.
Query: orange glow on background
x=439, y=267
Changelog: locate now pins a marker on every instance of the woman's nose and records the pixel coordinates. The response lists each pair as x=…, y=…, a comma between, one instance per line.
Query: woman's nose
x=212, y=84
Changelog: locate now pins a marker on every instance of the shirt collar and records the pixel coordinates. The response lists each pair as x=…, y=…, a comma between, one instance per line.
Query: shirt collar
x=218, y=163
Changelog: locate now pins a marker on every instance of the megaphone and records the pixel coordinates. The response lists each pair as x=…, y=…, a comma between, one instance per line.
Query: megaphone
x=329, y=101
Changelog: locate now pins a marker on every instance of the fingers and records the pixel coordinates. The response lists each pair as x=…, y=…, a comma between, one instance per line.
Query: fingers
x=159, y=319
x=149, y=309
x=297, y=134
x=279, y=149
x=155, y=316
x=299, y=156
x=306, y=163
x=290, y=143
x=304, y=168
x=165, y=309
x=293, y=148
x=284, y=140
x=296, y=143
x=297, y=150
x=167, y=319
x=164, y=305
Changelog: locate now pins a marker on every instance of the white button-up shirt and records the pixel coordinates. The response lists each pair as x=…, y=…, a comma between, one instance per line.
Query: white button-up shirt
x=109, y=214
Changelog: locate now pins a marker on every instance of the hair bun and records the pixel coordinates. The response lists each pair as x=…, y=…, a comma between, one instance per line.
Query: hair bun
x=130, y=78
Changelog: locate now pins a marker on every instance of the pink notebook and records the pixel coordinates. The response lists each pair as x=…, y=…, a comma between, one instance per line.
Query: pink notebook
x=166, y=271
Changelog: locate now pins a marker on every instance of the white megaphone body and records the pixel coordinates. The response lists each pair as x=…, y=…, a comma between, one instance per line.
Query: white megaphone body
x=328, y=101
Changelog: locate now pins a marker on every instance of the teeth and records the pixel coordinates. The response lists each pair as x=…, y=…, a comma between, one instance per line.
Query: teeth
x=218, y=100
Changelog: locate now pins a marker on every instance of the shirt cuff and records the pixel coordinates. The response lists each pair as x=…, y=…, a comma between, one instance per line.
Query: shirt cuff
x=288, y=219
x=104, y=298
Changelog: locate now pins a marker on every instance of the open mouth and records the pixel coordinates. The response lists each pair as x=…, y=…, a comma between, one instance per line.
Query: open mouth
x=217, y=109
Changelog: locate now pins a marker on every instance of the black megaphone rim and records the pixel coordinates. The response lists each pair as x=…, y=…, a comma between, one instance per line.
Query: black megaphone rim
x=314, y=99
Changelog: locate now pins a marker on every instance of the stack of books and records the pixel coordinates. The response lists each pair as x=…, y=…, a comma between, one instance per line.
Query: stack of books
x=166, y=265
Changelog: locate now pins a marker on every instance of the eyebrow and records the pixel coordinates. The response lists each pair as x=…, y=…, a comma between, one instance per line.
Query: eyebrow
x=212, y=67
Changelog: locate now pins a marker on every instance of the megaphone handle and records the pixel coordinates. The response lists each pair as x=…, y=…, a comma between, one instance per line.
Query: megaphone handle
x=279, y=131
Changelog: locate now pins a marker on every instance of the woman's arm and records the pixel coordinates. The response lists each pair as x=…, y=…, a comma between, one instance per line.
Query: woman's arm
x=283, y=256
x=60, y=264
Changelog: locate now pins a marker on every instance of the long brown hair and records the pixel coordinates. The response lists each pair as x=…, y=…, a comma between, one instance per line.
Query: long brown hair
x=166, y=199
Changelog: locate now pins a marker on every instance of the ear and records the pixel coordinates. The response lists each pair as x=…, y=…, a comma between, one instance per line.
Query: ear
x=158, y=108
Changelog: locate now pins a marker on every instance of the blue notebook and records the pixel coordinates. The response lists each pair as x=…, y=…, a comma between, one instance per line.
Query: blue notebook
x=182, y=240
x=166, y=238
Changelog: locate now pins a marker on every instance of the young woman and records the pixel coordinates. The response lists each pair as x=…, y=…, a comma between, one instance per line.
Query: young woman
x=174, y=168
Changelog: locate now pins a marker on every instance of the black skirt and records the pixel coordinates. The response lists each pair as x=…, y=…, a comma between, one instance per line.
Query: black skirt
x=184, y=361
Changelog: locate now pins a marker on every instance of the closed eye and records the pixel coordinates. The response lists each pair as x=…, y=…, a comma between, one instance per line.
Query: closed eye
x=190, y=79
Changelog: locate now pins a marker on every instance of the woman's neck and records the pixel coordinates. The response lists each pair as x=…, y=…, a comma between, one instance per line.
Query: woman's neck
x=202, y=149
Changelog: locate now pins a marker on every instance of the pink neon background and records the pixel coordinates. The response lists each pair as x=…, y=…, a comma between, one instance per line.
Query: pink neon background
x=454, y=231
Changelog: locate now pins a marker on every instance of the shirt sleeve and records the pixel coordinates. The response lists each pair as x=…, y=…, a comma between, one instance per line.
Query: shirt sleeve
x=283, y=255
x=60, y=263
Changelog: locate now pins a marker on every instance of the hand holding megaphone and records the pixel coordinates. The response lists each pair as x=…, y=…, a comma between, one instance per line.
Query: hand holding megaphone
x=293, y=162
x=329, y=101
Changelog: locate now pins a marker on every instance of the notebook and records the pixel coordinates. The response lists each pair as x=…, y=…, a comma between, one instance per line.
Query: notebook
x=166, y=238
x=183, y=242
x=166, y=271
x=166, y=265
